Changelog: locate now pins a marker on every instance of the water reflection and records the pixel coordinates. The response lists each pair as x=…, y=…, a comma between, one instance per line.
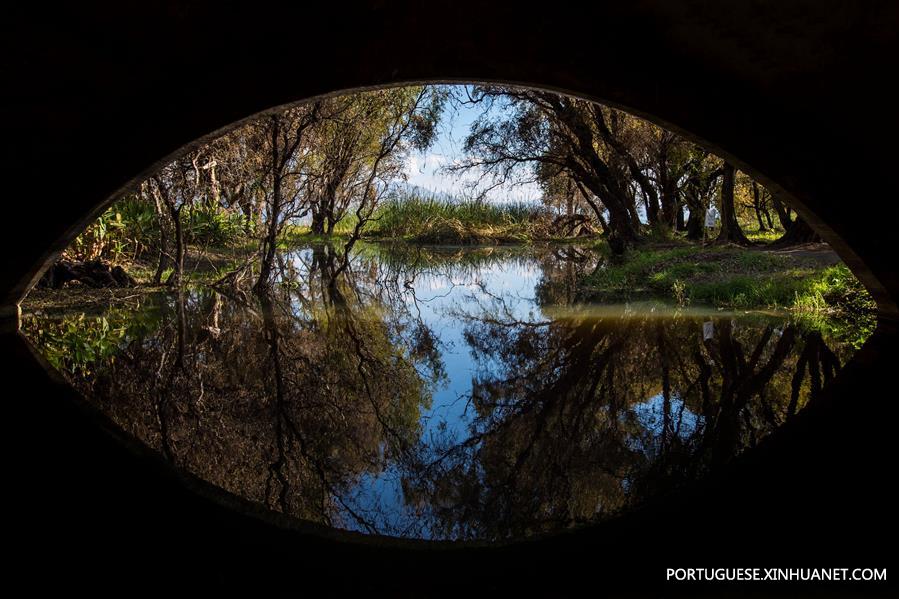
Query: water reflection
x=458, y=394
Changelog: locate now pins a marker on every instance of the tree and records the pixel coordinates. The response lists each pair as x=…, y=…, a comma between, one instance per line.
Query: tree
x=730, y=228
x=701, y=171
x=760, y=198
x=174, y=188
x=796, y=230
x=539, y=135
x=408, y=123
x=284, y=136
x=364, y=134
x=799, y=232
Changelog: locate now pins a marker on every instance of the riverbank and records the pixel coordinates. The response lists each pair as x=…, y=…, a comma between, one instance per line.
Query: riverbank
x=810, y=281
x=472, y=222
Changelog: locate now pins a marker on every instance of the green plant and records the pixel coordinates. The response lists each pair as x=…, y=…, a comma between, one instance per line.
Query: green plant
x=434, y=220
x=679, y=291
x=125, y=230
x=212, y=226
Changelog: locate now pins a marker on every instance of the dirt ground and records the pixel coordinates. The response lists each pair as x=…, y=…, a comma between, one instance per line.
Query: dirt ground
x=820, y=253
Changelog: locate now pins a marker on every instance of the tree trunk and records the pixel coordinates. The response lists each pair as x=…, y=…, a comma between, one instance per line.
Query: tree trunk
x=164, y=257
x=730, y=228
x=695, y=224
x=602, y=170
x=800, y=232
x=652, y=210
x=757, y=205
x=696, y=220
x=669, y=209
x=597, y=212
x=693, y=199
x=758, y=217
x=163, y=197
x=317, y=226
x=783, y=214
x=668, y=193
x=592, y=170
x=269, y=244
x=177, y=274
x=622, y=233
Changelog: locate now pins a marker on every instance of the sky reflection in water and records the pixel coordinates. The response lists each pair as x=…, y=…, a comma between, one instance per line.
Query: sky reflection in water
x=440, y=394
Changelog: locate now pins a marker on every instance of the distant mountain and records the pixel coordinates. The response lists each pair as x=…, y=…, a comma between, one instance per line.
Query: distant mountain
x=403, y=188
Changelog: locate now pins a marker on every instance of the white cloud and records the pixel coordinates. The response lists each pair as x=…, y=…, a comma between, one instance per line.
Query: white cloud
x=424, y=170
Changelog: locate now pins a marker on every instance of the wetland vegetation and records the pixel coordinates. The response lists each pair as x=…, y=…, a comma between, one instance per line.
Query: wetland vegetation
x=284, y=313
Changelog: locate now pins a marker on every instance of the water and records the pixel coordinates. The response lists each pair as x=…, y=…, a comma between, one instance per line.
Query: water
x=439, y=393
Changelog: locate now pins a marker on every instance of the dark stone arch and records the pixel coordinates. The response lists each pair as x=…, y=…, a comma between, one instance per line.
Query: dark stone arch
x=98, y=95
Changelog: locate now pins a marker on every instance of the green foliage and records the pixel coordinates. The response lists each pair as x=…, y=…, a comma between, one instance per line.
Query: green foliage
x=735, y=278
x=432, y=220
x=679, y=291
x=77, y=341
x=757, y=236
x=127, y=229
x=460, y=261
x=427, y=220
x=835, y=300
x=212, y=226
x=74, y=344
x=129, y=233
x=778, y=290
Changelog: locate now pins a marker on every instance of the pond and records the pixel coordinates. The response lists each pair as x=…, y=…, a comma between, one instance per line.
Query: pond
x=438, y=393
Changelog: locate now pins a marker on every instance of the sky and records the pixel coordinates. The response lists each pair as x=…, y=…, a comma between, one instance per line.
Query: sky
x=423, y=169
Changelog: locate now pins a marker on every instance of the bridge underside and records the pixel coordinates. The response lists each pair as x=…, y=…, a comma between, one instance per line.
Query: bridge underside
x=797, y=94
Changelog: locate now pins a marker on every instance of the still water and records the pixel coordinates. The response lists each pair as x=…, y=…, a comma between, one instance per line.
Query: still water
x=439, y=393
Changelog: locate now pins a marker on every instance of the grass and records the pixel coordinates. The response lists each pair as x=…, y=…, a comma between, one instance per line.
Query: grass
x=655, y=270
x=666, y=267
x=755, y=235
x=734, y=278
x=428, y=220
x=836, y=301
x=436, y=221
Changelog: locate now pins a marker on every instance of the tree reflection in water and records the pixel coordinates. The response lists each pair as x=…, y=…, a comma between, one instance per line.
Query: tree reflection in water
x=460, y=394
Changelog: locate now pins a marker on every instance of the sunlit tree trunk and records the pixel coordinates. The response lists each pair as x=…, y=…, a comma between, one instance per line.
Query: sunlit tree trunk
x=695, y=222
x=164, y=195
x=757, y=205
x=164, y=257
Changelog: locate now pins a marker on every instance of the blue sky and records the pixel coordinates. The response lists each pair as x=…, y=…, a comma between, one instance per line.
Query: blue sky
x=423, y=168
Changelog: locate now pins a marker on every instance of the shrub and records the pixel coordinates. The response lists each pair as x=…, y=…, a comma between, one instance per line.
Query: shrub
x=212, y=226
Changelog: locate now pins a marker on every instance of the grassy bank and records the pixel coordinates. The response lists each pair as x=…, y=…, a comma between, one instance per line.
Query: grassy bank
x=808, y=283
x=436, y=221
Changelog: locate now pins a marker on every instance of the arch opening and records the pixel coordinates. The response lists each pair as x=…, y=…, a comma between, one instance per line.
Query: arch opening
x=354, y=202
